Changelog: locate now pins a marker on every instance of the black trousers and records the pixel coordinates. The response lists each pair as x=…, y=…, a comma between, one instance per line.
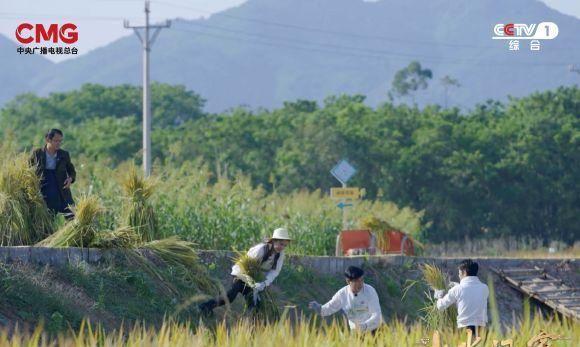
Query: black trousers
x=238, y=286
x=473, y=329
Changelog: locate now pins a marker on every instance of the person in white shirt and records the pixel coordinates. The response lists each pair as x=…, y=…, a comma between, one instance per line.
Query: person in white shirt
x=470, y=295
x=271, y=256
x=357, y=299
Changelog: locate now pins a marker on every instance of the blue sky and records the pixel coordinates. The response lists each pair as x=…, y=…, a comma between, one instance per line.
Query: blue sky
x=101, y=21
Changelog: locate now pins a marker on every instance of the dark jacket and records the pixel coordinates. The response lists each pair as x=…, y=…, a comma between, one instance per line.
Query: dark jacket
x=64, y=169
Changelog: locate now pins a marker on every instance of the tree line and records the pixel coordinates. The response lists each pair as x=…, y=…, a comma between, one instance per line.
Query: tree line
x=499, y=169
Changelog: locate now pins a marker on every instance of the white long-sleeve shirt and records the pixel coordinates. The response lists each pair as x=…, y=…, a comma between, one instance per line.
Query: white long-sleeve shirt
x=471, y=298
x=258, y=252
x=363, y=309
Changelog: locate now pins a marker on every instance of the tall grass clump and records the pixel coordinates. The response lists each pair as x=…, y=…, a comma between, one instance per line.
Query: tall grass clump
x=82, y=230
x=24, y=217
x=137, y=210
x=435, y=319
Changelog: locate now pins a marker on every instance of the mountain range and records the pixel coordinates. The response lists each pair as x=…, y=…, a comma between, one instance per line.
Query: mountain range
x=265, y=52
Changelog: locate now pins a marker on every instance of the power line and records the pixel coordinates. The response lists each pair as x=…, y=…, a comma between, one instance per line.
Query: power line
x=354, y=51
x=24, y=16
x=327, y=31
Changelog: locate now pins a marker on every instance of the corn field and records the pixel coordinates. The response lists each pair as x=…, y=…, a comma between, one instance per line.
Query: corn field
x=231, y=214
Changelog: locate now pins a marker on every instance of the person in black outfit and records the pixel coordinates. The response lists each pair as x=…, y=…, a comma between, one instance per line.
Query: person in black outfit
x=53, y=165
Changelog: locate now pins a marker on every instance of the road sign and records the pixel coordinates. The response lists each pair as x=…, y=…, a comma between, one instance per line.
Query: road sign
x=345, y=193
x=343, y=171
x=342, y=205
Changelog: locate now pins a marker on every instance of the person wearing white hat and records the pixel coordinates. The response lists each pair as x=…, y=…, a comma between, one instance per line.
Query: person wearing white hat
x=271, y=256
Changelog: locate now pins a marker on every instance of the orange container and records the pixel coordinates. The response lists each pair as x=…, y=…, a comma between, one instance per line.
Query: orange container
x=398, y=239
x=354, y=240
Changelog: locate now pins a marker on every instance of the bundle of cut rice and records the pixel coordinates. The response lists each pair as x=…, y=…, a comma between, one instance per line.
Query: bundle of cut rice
x=178, y=252
x=24, y=217
x=252, y=273
x=435, y=319
x=82, y=230
x=137, y=210
x=122, y=238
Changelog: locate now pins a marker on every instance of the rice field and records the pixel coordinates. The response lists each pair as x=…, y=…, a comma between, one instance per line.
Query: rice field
x=302, y=333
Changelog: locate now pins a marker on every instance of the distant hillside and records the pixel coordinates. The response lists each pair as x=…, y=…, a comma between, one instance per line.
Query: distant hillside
x=17, y=72
x=265, y=52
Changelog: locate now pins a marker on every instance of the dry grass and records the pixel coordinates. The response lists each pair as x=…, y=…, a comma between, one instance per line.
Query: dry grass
x=504, y=247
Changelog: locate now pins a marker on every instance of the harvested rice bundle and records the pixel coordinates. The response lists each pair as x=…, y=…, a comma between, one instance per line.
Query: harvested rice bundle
x=252, y=273
x=82, y=230
x=182, y=253
x=137, y=211
x=24, y=217
x=434, y=318
x=123, y=238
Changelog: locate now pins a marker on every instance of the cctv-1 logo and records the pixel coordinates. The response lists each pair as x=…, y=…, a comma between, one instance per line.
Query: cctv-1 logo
x=511, y=31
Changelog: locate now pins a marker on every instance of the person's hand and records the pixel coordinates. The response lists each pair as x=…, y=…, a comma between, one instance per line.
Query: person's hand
x=439, y=293
x=315, y=306
x=452, y=284
x=260, y=286
x=67, y=183
x=255, y=296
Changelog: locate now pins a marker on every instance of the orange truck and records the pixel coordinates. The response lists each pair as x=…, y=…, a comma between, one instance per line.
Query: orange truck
x=358, y=242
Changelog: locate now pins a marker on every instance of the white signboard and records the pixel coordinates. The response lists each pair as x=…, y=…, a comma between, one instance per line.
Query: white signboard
x=343, y=171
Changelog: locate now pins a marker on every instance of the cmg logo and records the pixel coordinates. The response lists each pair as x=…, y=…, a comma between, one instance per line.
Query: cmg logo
x=27, y=33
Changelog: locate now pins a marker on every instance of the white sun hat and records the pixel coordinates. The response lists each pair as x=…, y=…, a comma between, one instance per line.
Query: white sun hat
x=280, y=234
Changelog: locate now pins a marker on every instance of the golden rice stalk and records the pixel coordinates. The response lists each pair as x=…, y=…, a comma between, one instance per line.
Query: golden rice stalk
x=252, y=273
x=178, y=252
x=124, y=238
x=82, y=230
x=434, y=276
x=137, y=211
x=379, y=227
x=434, y=318
x=266, y=310
x=375, y=224
x=250, y=268
x=24, y=217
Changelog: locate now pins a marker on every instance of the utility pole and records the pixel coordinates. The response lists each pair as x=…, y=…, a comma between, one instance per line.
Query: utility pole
x=573, y=68
x=147, y=43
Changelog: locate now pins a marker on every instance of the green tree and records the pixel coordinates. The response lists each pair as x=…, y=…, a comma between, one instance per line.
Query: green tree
x=410, y=79
x=448, y=82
